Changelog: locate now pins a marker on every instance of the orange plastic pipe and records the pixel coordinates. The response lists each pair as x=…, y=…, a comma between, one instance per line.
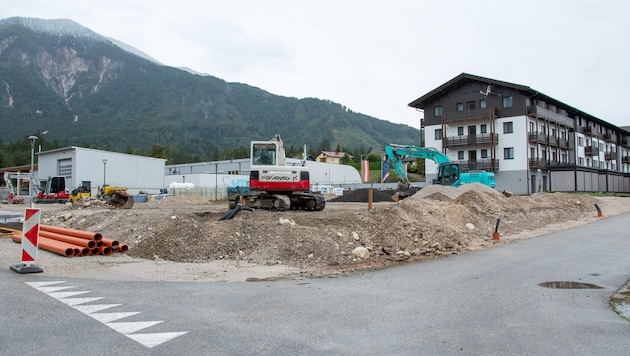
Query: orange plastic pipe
x=96, y=236
x=58, y=247
x=111, y=243
x=123, y=248
x=69, y=239
x=105, y=250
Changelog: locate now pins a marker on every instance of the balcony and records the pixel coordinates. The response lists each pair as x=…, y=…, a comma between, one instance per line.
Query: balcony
x=625, y=160
x=472, y=140
x=551, y=140
x=489, y=165
x=610, y=156
x=537, y=138
x=591, y=151
x=551, y=115
x=544, y=163
x=537, y=163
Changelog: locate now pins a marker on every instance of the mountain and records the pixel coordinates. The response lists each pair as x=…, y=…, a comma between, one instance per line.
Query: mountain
x=84, y=89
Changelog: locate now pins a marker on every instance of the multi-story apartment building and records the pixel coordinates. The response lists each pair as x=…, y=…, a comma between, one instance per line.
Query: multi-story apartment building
x=531, y=141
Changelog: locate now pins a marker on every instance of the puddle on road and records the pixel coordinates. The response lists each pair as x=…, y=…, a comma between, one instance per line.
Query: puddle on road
x=569, y=285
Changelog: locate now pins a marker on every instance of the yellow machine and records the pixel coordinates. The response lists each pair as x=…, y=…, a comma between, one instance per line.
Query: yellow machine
x=82, y=192
x=116, y=196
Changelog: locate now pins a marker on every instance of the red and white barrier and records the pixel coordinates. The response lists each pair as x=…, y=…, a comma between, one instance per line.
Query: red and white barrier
x=30, y=238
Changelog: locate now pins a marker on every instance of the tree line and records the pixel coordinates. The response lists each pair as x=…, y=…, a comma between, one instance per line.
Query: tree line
x=18, y=153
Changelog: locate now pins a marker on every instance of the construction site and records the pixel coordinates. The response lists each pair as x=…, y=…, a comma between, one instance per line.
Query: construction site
x=181, y=238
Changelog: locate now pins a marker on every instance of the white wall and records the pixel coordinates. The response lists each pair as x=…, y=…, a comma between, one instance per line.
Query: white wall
x=518, y=140
x=131, y=171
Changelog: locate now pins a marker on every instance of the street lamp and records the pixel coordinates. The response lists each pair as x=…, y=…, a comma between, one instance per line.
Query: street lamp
x=216, y=181
x=104, y=165
x=30, y=183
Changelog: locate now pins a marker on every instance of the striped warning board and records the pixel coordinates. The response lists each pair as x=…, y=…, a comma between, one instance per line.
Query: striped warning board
x=30, y=235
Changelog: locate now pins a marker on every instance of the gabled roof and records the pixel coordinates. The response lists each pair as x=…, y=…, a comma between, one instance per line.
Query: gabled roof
x=459, y=80
x=465, y=78
x=334, y=154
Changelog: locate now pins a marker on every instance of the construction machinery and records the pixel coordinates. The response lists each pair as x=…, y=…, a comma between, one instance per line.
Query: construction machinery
x=273, y=184
x=82, y=192
x=449, y=173
x=54, y=191
x=116, y=196
x=19, y=185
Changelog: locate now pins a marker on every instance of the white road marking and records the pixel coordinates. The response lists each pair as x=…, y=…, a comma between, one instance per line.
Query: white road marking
x=93, y=308
x=130, y=328
x=153, y=339
x=126, y=328
x=109, y=317
x=63, y=295
x=76, y=301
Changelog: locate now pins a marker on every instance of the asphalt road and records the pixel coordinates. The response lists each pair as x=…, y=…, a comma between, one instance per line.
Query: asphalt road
x=487, y=302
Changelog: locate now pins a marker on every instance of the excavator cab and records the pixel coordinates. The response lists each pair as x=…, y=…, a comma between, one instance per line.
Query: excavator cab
x=448, y=173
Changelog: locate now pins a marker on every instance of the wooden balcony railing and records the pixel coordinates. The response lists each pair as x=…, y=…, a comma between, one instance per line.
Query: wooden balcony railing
x=472, y=140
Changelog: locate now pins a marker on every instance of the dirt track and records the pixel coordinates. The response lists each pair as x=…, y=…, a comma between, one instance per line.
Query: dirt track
x=181, y=239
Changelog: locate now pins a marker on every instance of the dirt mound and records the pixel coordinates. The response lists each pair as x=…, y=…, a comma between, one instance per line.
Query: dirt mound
x=361, y=196
x=435, y=221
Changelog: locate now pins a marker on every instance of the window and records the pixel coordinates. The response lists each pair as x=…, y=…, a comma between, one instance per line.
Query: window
x=471, y=105
x=460, y=155
x=460, y=131
x=531, y=127
x=264, y=154
x=581, y=141
x=482, y=104
x=484, y=153
x=508, y=153
x=438, y=134
x=460, y=106
x=484, y=128
x=508, y=127
x=437, y=110
x=507, y=101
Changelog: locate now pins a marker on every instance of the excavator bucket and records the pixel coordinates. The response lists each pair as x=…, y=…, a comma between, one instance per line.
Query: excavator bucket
x=121, y=199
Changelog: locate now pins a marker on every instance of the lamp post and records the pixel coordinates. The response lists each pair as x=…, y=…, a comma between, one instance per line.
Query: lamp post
x=104, y=170
x=32, y=139
x=216, y=181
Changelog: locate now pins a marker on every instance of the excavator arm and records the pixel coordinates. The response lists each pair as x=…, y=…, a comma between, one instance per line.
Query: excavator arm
x=448, y=173
x=396, y=153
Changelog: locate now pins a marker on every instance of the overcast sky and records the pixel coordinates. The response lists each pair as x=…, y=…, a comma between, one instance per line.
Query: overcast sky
x=375, y=57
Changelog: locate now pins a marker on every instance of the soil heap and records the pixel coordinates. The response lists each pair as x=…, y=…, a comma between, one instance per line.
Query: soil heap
x=435, y=221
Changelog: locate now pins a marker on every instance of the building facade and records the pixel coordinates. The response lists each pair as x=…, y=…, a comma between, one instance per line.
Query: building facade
x=90, y=167
x=531, y=141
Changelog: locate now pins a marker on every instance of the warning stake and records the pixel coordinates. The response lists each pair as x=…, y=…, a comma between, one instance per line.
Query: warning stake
x=30, y=237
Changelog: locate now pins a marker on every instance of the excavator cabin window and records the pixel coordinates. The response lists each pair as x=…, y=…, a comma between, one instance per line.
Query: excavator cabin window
x=448, y=174
x=264, y=154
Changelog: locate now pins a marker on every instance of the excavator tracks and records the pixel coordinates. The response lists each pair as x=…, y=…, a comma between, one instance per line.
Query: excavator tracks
x=281, y=202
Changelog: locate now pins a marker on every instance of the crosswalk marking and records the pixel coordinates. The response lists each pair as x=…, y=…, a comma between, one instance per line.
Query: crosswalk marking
x=109, y=319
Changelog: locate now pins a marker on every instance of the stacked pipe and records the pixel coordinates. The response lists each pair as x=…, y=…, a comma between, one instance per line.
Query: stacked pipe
x=71, y=242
